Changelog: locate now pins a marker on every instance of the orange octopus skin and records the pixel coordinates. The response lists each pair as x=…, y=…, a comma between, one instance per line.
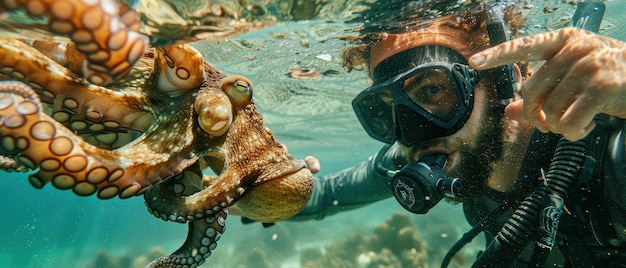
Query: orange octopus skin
x=74, y=135
x=107, y=34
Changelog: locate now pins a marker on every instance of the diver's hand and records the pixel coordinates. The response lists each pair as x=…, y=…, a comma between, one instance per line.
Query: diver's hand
x=584, y=75
x=312, y=163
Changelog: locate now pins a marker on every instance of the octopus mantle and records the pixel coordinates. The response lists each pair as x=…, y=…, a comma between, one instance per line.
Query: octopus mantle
x=152, y=132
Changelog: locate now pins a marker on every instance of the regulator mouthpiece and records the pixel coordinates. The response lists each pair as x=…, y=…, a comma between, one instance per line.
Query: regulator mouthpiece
x=419, y=186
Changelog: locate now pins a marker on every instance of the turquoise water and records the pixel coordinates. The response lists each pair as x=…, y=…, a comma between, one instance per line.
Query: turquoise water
x=52, y=228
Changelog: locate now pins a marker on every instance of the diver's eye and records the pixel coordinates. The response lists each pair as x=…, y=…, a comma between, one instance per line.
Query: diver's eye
x=432, y=90
x=431, y=87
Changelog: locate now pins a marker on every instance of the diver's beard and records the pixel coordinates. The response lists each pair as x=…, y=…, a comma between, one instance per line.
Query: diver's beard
x=477, y=162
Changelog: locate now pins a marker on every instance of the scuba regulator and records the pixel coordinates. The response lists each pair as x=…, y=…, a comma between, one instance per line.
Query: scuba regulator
x=419, y=186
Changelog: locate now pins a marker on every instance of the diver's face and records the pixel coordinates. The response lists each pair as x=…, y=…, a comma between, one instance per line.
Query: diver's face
x=473, y=149
x=478, y=144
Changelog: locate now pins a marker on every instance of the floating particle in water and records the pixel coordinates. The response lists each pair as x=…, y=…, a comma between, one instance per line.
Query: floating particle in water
x=325, y=57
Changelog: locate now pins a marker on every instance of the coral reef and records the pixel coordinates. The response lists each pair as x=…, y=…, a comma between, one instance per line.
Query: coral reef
x=263, y=247
x=393, y=243
x=105, y=259
x=260, y=247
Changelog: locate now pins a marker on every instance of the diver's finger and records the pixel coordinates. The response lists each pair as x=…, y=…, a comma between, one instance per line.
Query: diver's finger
x=535, y=47
x=584, y=100
x=312, y=163
x=571, y=87
x=554, y=108
x=577, y=121
x=515, y=111
x=534, y=114
x=536, y=90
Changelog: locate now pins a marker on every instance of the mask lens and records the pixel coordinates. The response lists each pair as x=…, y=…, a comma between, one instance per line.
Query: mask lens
x=374, y=108
x=432, y=90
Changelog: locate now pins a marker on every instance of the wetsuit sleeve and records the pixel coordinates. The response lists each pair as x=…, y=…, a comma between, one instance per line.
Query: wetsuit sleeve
x=615, y=178
x=354, y=187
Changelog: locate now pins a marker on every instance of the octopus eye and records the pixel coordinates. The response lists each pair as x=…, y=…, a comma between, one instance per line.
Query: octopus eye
x=242, y=87
x=238, y=89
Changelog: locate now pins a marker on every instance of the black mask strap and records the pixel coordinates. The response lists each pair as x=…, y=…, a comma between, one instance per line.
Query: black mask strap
x=504, y=76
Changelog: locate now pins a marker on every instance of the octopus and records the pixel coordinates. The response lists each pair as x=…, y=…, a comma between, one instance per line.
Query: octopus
x=164, y=118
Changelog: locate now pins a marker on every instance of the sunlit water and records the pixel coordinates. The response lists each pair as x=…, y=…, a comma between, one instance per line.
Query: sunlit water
x=52, y=228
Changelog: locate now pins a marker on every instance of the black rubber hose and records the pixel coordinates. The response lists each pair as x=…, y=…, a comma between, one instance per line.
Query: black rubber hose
x=540, y=211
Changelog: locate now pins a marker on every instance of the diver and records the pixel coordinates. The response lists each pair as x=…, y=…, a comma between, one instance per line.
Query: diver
x=543, y=176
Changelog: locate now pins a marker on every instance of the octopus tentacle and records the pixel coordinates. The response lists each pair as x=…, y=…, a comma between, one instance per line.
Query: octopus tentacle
x=110, y=47
x=167, y=200
x=62, y=53
x=186, y=183
x=215, y=112
x=40, y=143
x=162, y=151
x=203, y=233
x=201, y=241
x=179, y=69
x=67, y=95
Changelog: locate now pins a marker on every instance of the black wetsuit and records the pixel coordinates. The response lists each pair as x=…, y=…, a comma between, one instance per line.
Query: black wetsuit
x=591, y=234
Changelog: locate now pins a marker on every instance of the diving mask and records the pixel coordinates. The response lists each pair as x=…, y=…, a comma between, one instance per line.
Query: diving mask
x=430, y=100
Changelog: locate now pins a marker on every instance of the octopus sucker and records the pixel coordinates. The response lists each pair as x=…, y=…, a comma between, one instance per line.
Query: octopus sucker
x=62, y=10
x=50, y=164
x=130, y=191
x=64, y=181
x=36, y=181
x=14, y=121
x=26, y=161
x=108, y=192
x=42, y=130
x=130, y=18
x=97, y=175
x=61, y=146
x=84, y=189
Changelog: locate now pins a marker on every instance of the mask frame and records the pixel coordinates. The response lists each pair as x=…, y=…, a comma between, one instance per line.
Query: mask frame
x=388, y=114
